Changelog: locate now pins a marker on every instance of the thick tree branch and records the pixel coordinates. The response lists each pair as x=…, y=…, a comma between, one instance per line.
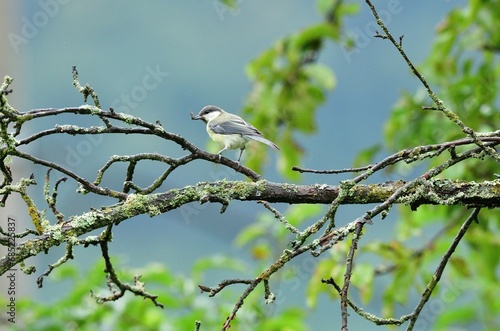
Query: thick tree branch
x=445, y=192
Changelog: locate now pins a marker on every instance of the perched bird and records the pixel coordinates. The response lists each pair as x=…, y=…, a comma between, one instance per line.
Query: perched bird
x=229, y=130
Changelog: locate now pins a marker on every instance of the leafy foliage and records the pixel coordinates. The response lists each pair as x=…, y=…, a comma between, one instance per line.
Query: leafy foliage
x=77, y=310
x=464, y=69
x=289, y=85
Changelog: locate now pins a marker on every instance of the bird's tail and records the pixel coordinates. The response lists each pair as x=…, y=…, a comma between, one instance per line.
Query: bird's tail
x=265, y=141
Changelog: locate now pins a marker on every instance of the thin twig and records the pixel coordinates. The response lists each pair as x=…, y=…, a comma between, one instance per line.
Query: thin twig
x=348, y=272
x=440, y=268
x=52, y=199
x=333, y=171
x=409, y=155
x=280, y=217
x=137, y=288
x=67, y=256
x=370, y=317
x=429, y=245
x=212, y=291
x=239, y=304
x=85, y=90
x=439, y=103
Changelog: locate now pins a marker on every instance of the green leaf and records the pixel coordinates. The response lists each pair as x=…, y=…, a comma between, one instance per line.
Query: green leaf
x=218, y=262
x=289, y=158
x=324, y=6
x=309, y=36
x=291, y=319
x=65, y=271
x=321, y=74
x=366, y=156
x=324, y=269
x=249, y=234
x=297, y=214
x=455, y=315
x=349, y=8
x=362, y=278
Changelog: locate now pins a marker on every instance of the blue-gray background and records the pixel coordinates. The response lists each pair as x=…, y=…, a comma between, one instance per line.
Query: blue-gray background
x=199, y=51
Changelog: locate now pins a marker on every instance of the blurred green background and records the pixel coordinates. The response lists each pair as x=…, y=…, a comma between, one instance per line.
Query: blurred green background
x=159, y=60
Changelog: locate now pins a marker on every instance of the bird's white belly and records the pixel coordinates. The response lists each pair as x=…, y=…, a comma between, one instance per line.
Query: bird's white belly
x=229, y=141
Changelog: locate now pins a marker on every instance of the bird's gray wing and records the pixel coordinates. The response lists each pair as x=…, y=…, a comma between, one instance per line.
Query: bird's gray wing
x=235, y=126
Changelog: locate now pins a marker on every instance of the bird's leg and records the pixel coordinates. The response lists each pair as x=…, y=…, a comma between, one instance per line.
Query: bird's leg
x=220, y=152
x=239, y=157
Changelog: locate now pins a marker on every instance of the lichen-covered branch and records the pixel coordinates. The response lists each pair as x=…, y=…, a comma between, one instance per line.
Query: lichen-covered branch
x=446, y=192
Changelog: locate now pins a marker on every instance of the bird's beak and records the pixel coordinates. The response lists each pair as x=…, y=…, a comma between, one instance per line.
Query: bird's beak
x=197, y=117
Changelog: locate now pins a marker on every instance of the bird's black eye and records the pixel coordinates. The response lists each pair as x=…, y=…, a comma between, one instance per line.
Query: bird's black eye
x=206, y=111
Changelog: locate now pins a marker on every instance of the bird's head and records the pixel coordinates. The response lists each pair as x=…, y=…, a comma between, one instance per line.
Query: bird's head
x=208, y=113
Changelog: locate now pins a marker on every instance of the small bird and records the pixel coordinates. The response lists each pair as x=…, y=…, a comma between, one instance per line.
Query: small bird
x=229, y=130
